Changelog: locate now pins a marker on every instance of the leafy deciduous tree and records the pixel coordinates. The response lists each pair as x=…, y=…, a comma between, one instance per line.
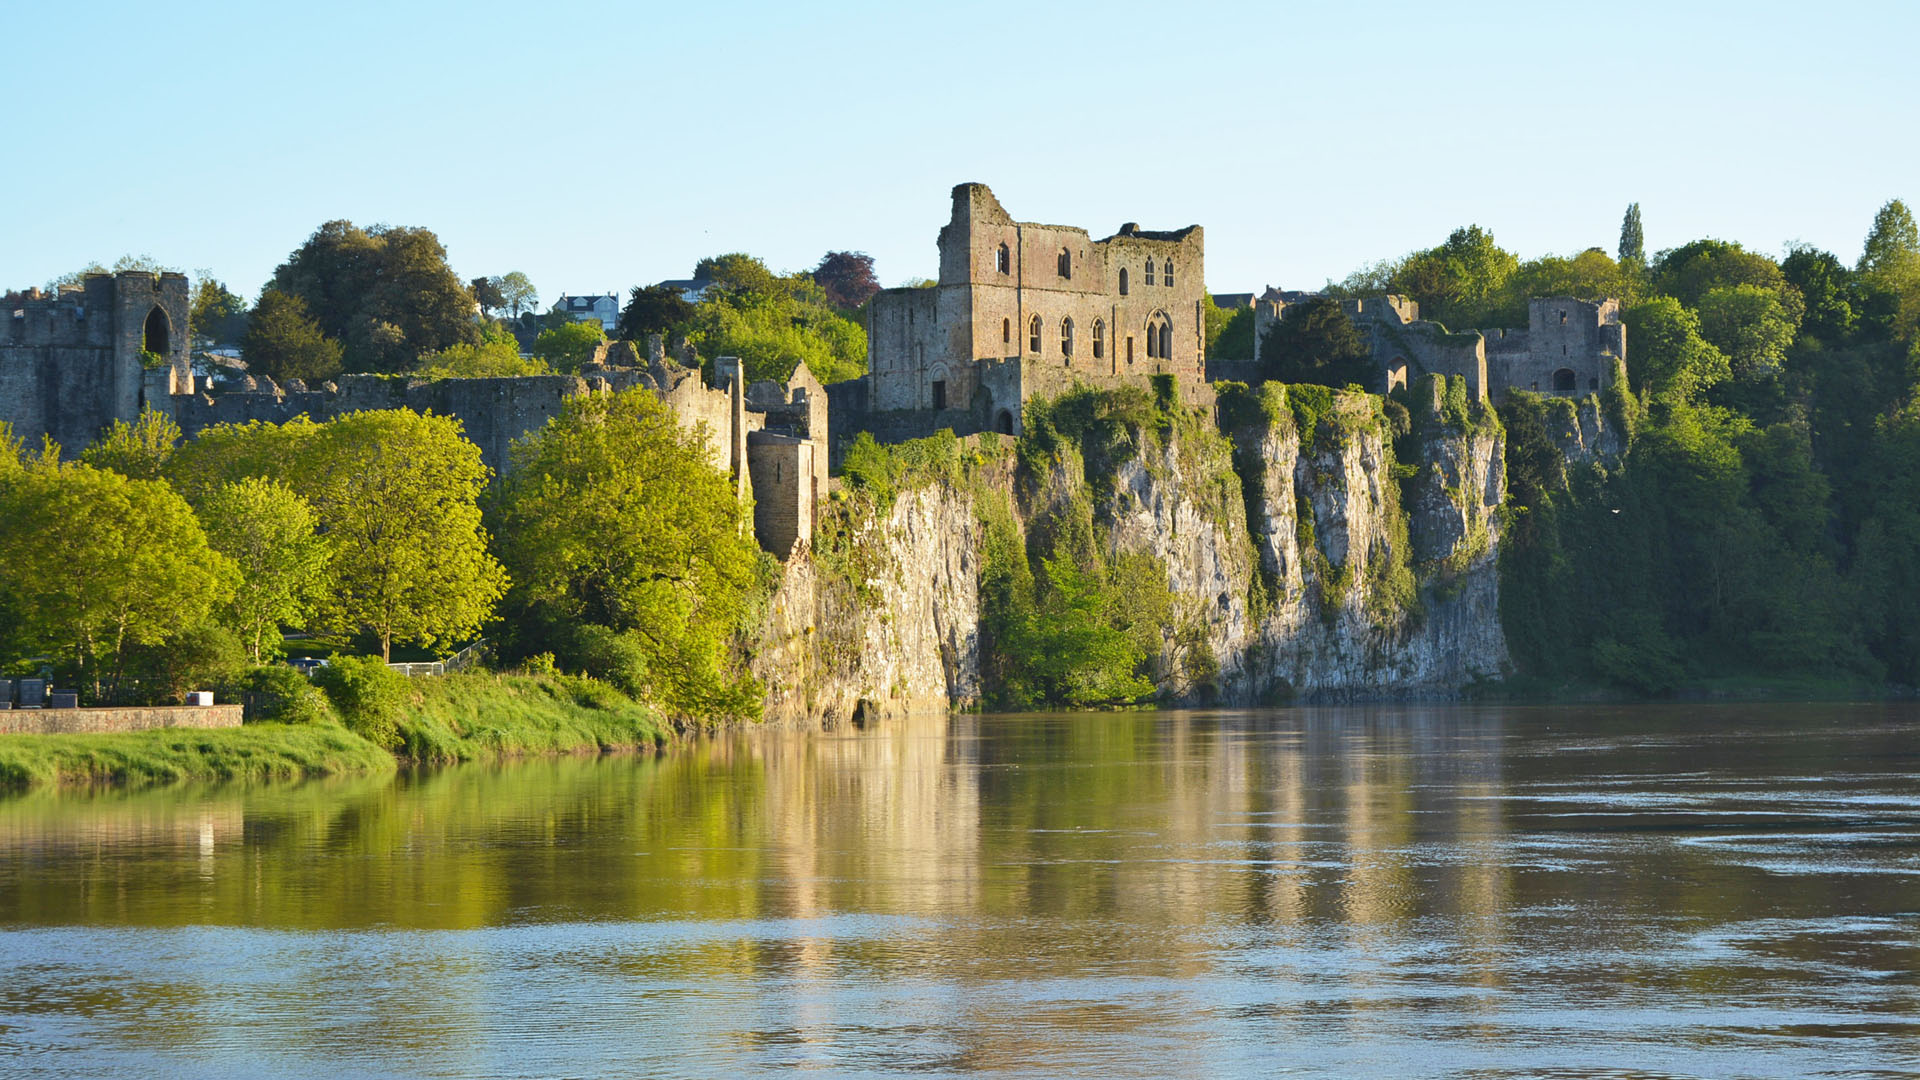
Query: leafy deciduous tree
x=268, y=532
x=284, y=342
x=613, y=515
x=98, y=564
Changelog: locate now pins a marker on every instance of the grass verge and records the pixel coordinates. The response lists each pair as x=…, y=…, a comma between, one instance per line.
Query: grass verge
x=480, y=716
x=465, y=717
x=256, y=752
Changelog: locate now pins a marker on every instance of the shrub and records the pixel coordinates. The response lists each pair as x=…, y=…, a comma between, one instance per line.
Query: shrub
x=369, y=695
x=279, y=694
x=615, y=658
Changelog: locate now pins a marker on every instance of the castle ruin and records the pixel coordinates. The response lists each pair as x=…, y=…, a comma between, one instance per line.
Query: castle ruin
x=1023, y=310
x=1570, y=347
x=73, y=364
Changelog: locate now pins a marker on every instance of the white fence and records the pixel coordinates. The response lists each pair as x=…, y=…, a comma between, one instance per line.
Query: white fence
x=460, y=661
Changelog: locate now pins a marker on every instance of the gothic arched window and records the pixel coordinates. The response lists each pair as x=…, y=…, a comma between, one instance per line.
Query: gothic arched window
x=1099, y=339
x=1149, y=271
x=1066, y=264
x=1168, y=276
x=1033, y=335
x=1006, y=331
x=1003, y=262
x=1123, y=281
x=1066, y=338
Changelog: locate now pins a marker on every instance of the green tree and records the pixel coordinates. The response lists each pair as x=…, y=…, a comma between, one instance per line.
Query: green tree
x=396, y=494
x=517, y=293
x=1893, y=244
x=98, y=564
x=269, y=533
x=385, y=293
x=570, y=347
x=1670, y=355
x=1316, y=343
x=737, y=272
x=613, y=515
x=1229, y=331
x=1830, y=293
x=653, y=309
x=1751, y=326
x=1077, y=656
x=488, y=294
x=1633, y=240
x=1689, y=273
x=140, y=450
x=218, y=317
x=496, y=355
x=284, y=342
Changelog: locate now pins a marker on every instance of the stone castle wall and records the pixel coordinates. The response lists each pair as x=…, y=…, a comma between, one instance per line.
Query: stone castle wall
x=1047, y=301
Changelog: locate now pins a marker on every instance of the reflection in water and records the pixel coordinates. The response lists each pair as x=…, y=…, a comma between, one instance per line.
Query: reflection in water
x=1336, y=892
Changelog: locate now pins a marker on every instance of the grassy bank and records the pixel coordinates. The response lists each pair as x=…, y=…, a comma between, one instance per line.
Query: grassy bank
x=255, y=752
x=466, y=717
x=479, y=716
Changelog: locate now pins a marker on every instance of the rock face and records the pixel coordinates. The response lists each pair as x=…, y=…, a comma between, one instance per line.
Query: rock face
x=888, y=624
x=1288, y=554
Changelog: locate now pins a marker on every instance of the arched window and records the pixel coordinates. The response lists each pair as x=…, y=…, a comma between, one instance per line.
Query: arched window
x=1153, y=339
x=1166, y=341
x=1006, y=331
x=1033, y=335
x=1099, y=339
x=1563, y=381
x=1149, y=271
x=1168, y=276
x=154, y=338
x=1066, y=338
x=1123, y=281
x=1006, y=422
x=1003, y=262
x=1066, y=264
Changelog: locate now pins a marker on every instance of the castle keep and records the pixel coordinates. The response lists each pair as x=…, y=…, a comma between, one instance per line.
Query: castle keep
x=1022, y=309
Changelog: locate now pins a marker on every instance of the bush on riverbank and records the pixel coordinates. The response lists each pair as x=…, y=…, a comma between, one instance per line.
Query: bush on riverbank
x=466, y=717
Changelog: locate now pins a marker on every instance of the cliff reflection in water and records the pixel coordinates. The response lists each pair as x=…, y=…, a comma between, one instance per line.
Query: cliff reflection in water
x=1136, y=893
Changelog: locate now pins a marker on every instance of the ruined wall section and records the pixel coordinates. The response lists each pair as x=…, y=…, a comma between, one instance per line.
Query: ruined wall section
x=70, y=365
x=1568, y=350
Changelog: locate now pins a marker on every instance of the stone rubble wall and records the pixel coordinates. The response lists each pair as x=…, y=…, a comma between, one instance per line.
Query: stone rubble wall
x=103, y=721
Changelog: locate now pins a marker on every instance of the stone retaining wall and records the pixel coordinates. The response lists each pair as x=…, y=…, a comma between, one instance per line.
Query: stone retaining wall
x=100, y=721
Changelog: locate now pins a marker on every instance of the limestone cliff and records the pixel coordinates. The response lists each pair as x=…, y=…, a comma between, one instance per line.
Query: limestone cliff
x=880, y=617
x=1313, y=546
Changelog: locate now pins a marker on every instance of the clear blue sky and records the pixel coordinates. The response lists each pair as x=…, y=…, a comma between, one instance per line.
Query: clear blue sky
x=596, y=146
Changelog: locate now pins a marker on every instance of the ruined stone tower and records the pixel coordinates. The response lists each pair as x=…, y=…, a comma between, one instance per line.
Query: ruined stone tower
x=72, y=364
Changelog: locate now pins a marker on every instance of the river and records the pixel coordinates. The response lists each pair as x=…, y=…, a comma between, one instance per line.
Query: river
x=1697, y=891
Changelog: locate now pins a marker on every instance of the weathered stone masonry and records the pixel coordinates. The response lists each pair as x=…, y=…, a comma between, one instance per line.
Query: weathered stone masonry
x=1023, y=310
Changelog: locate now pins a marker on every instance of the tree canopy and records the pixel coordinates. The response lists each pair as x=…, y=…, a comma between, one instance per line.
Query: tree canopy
x=283, y=341
x=613, y=516
x=385, y=293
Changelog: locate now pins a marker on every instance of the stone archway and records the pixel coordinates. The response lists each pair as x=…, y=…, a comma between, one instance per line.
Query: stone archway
x=1005, y=422
x=1564, y=381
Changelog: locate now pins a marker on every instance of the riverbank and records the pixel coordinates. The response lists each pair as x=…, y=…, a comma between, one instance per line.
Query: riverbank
x=452, y=718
